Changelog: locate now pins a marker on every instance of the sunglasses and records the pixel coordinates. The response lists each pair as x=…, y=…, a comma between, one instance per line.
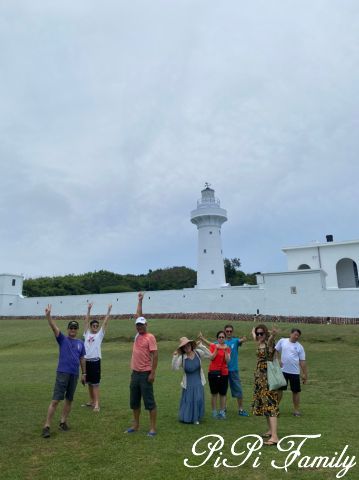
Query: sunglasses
x=259, y=334
x=73, y=328
x=95, y=325
x=229, y=331
x=221, y=337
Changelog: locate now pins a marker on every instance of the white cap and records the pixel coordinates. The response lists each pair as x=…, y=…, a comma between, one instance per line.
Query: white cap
x=141, y=321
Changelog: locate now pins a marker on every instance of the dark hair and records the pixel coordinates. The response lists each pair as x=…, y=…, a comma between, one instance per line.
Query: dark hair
x=94, y=321
x=296, y=330
x=221, y=331
x=229, y=326
x=264, y=328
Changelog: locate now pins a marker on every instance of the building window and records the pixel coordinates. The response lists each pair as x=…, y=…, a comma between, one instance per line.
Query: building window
x=204, y=250
x=293, y=290
x=304, y=266
x=347, y=273
x=212, y=272
x=13, y=283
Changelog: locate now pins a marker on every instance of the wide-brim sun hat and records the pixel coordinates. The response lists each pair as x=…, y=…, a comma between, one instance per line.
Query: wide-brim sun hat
x=184, y=341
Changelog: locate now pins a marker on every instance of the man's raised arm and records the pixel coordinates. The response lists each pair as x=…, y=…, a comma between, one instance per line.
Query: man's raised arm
x=105, y=320
x=51, y=322
x=139, y=305
x=87, y=318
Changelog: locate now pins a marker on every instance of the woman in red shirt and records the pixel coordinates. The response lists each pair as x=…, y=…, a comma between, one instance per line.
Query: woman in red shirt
x=218, y=374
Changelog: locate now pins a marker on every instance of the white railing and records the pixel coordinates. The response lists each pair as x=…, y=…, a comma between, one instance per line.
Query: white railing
x=209, y=201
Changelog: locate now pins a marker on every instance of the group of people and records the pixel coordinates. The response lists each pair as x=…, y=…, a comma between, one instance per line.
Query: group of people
x=223, y=371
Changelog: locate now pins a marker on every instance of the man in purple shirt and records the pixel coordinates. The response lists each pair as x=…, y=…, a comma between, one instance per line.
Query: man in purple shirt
x=71, y=356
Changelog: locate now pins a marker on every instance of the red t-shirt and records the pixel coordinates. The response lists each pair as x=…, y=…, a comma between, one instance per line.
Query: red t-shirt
x=219, y=363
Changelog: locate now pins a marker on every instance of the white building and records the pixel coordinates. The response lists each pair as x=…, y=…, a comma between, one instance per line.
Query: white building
x=339, y=260
x=321, y=281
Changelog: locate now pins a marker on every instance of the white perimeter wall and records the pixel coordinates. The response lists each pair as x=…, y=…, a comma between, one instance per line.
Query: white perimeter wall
x=272, y=297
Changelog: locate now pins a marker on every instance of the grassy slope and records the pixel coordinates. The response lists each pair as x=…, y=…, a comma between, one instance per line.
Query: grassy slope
x=96, y=443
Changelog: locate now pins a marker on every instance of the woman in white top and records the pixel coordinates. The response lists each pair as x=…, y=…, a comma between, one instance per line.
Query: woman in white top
x=93, y=336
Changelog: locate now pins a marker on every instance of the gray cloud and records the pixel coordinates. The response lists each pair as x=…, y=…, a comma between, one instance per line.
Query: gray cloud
x=115, y=114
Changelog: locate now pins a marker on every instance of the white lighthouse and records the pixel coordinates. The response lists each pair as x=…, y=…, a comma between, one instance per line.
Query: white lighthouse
x=209, y=217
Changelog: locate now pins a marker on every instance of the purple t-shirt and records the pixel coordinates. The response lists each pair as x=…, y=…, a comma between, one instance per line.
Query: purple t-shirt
x=71, y=350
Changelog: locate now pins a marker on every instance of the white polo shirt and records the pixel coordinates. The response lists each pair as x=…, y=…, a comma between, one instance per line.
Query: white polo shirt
x=291, y=353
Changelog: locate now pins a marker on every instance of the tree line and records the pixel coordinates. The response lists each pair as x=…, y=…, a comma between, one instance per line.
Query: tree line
x=103, y=281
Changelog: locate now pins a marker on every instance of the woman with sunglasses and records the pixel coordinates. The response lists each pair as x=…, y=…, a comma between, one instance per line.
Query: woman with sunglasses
x=218, y=374
x=265, y=402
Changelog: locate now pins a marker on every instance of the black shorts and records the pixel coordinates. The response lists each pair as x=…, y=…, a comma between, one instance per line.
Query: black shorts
x=65, y=386
x=140, y=387
x=218, y=383
x=294, y=380
x=93, y=372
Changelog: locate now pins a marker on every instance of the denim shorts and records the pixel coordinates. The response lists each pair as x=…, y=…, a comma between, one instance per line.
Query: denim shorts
x=235, y=384
x=65, y=386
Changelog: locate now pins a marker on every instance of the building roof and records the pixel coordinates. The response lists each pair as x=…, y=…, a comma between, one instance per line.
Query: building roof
x=319, y=244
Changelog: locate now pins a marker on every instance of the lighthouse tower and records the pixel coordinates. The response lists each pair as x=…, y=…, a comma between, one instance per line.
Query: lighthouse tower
x=209, y=217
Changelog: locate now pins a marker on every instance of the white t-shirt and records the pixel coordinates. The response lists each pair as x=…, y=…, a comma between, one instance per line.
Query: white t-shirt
x=93, y=343
x=291, y=353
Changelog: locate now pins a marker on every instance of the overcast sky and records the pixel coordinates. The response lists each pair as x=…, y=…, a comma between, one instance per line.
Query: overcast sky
x=113, y=115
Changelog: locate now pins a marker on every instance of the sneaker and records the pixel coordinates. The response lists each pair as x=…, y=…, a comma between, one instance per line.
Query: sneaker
x=214, y=414
x=221, y=415
x=243, y=413
x=46, y=432
x=63, y=426
x=196, y=423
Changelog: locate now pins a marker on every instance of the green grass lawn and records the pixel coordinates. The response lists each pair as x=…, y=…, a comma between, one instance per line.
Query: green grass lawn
x=97, y=448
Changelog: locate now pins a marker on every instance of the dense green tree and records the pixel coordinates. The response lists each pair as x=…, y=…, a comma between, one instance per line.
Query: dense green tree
x=104, y=281
x=235, y=276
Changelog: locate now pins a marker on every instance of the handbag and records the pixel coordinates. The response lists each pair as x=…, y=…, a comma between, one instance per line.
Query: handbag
x=275, y=376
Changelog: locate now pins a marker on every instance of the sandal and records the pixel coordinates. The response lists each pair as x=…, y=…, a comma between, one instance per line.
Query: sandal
x=266, y=435
x=270, y=443
x=130, y=430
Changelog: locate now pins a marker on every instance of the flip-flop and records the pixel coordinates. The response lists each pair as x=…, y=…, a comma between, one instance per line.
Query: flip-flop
x=87, y=405
x=151, y=434
x=96, y=409
x=297, y=414
x=266, y=435
x=270, y=443
x=130, y=430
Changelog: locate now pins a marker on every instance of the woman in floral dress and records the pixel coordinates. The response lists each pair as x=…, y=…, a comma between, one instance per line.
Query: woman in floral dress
x=265, y=402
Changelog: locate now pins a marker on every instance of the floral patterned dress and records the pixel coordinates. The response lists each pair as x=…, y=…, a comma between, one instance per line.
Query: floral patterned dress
x=265, y=401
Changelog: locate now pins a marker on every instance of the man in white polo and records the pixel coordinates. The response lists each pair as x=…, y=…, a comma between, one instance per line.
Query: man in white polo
x=292, y=363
